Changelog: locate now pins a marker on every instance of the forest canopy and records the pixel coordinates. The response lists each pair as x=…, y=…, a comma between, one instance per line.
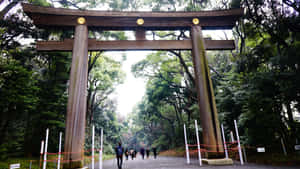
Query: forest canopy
x=258, y=83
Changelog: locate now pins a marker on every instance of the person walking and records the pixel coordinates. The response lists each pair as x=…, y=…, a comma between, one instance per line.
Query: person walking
x=119, y=155
x=132, y=154
x=142, y=151
x=154, y=152
x=135, y=153
x=126, y=153
x=147, y=152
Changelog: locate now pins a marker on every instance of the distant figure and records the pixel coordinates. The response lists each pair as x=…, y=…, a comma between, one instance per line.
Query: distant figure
x=154, y=152
x=126, y=153
x=147, y=152
x=132, y=154
x=119, y=155
x=135, y=153
x=142, y=151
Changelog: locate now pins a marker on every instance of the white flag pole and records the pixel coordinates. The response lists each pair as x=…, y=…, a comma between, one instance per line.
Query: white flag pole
x=245, y=154
x=42, y=147
x=239, y=144
x=93, y=147
x=45, y=152
x=198, y=143
x=41, y=153
x=186, y=146
x=283, y=147
x=59, y=150
x=101, y=151
x=225, y=146
x=231, y=135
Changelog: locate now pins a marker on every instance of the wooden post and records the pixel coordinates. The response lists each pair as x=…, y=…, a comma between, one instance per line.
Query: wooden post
x=140, y=34
x=76, y=111
x=206, y=100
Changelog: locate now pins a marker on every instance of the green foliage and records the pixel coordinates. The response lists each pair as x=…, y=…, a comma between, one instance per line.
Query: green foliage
x=18, y=98
x=105, y=74
x=258, y=84
x=158, y=119
x=259, y=88
x=128, y=5
x=40, y=2
x=33, y=89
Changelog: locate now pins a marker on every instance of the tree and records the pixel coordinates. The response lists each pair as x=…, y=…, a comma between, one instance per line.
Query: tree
x=104, y=76
x=18, y=99
x=260, y=88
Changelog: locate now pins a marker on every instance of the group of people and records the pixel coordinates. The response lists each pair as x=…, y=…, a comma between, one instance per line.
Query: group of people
x=132, y=153
x=143, y=152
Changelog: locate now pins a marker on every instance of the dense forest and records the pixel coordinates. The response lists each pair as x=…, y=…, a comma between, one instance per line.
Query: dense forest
x=258, y=83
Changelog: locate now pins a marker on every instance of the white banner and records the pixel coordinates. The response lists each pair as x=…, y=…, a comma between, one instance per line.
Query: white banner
x=261, y=149
x=13, y=166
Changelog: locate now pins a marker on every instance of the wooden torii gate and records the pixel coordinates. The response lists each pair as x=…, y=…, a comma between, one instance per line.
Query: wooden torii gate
x=139, y=22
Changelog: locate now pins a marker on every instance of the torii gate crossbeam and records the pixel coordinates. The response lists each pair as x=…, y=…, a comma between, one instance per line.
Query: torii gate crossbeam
x=140, y=22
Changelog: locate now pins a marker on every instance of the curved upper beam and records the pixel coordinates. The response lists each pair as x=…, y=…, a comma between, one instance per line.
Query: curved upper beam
x=116, y=20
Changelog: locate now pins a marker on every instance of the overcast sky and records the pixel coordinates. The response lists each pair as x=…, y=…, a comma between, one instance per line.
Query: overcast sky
x=132, y=90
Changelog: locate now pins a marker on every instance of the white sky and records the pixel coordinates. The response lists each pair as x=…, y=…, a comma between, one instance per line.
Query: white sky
x=132, y=90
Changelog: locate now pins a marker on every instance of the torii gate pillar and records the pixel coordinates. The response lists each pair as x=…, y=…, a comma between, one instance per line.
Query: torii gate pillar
x=114, y=20
x=205, y=93
x=76, y=111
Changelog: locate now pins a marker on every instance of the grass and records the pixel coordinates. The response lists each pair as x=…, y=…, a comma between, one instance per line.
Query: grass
x=25, y=162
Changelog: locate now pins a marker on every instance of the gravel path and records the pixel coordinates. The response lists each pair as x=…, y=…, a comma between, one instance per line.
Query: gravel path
x=178, y=163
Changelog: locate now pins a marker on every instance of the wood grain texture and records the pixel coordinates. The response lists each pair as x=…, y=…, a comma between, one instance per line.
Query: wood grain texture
x=140, y=34
x=116, y=20
x=206, y=101
x=123, y=45
x=76, y=110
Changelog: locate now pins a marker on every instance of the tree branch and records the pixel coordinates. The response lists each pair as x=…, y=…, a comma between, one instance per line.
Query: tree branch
x=182, y=62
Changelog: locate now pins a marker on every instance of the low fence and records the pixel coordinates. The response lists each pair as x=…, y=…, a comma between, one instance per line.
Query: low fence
x=49, y=160
x=229, y=147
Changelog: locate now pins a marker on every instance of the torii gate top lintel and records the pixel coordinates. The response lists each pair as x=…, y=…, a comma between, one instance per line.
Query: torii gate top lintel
x=139, y=22
x=123, y=20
